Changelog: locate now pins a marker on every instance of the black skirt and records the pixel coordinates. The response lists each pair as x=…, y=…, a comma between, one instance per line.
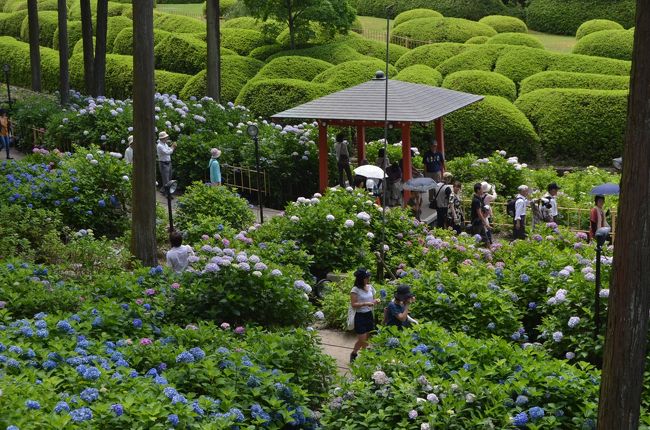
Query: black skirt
x=364, y=322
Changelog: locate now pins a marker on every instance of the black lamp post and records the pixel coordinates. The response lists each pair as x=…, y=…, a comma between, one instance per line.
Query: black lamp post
x=601, y=236
x=253, y=132
x=6, y=69
x=170, y=188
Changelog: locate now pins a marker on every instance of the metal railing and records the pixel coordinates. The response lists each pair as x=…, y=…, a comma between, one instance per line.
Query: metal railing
x=245, y=179
x=380, y=36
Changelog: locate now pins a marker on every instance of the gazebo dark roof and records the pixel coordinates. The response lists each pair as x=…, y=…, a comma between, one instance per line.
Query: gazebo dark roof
x=407, y=102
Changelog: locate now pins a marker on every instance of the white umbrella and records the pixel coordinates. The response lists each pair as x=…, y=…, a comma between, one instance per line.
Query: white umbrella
x=369, y=171
x=420, y=184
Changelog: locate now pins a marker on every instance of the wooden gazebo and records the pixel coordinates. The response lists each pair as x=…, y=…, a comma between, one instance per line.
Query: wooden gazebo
x=364, y=106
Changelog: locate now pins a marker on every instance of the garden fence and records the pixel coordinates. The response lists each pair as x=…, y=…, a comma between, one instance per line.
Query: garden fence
x=380, y=36
x=245, y=179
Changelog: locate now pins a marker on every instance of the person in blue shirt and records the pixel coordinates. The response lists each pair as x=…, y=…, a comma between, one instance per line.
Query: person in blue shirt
x=398, y=308
x=434, y=163
x=215, y=168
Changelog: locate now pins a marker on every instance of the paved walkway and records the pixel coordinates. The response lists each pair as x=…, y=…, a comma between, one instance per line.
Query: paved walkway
x=338, y=345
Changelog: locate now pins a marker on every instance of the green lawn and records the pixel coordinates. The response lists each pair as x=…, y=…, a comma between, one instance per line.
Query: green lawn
x=370, y=23
x=554, y=42
x=194, y=10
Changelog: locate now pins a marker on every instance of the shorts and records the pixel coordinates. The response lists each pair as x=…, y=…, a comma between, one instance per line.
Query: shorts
x=364, y=322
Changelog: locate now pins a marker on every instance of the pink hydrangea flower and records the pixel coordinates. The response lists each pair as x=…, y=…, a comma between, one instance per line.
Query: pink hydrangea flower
x=205, y=237
x=225, y=326
x=240, y=330
x=139, y=301
x=145, y=341
x=176, y=285
x=150, y=291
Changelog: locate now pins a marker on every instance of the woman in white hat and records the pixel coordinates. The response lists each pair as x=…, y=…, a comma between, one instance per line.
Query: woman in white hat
x=165, y=152
x=214, y=167
x=489, y=196
x=128, y=154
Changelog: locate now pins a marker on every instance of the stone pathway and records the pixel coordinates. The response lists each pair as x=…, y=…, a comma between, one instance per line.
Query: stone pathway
x=338, y=345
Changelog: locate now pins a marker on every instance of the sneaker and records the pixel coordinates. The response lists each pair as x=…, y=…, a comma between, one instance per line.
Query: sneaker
x=353, y=356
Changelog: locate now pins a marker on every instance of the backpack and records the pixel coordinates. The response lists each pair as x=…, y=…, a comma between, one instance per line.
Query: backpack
x=511, y=207
x=434, y=203
x=386, y=315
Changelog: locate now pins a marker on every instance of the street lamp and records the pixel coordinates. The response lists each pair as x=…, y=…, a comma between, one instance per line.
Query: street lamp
x=170, y=188
x=6, y=69
x=253, y=132
x=601, y=236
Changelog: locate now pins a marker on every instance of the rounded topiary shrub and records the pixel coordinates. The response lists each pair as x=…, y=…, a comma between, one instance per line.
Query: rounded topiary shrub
x=236, y=71
x=245, y=22
x=266, y=97
x=119, y=74
x=115, y=25
x=178, y=23
x=334, y=53
x=590, y=64
x=420, y=74
x=373, y=48
x=170, y=82
x=566, y=16
x=477, y=40
x=607, y=43
x=181, y=53
x=442, y=30
x=263, y=52
x=11, y=23
x=16, y=54
x=580, y=126
x=481, y=82
x=414, y=14
x=554, y=79
x=468, y=9
x=241, y=41
x=491, y=124
x=114, y=9
x=123, y=43
x=431, y=55
x=480, y=57
x=352, y=73
x=295, y=67
x=505, y=24
x=74, y=35
x=594, y=25
x=79, y=47
x=518, y=63
x=47, y=24
x=516, y=39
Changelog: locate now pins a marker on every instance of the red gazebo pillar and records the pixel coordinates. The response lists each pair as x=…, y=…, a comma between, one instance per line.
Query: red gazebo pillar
x=361, y=144
x=440, y=137
x=323, y=156
x=406, y=158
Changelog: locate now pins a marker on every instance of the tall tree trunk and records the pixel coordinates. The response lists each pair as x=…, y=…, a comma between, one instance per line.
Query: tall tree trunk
x=629, y=300
x=34, y=48
x=143, y=224
x=64, y=73
x=100, y=47
x=214, y=47
x=87, y=37
x=292, y=30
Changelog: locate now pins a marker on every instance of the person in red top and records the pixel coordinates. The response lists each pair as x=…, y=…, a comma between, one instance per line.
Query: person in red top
x=597, y=217
x=5, y=131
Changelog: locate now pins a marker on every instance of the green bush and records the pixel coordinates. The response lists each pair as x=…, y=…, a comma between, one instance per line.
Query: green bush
x=431, y=55
x=420, y=74
x=593, y=135
x=373, y=48
x=573, y=80
x=607, y=43
x=505, y=24
x=352, y=73
x=468, y=9
x=478, y=57
x=47, y=24
x=296, y=67
x=477, y=40
x=119, y=74
x=16, y=54
x=566, y=16
x=240, y=40
x=170, y=82
x=181, y=53
x=178, y=24
x=263, y=52
x=114, y=9
x=123, y=43
x=74, y=35
x=481, y=82
x=115, y=25
x=11, y=23
x=266, y=97
x=79, y=47
x=436, y=30
x=516, y=39
x=244, y=22
x=335, y=53
x=518, y=63
x=589, y=64
x=489, y=125
x=595, y=25
x=236, y=71
x=415, y=14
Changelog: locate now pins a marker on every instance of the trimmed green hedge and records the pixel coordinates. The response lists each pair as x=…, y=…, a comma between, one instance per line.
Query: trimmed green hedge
x=334, y=53
x=442, y=30
x=468, y=9
x=74, y=35
x=607, y=43
x=431, y=55
x=480, y=57
x=47, y=24
x=11, y=23
x=573, y=80
x=415, y=14
x=236, y=71
x=482, y=83
x=241, y=41
x=477, y=40
x=505, y=24
x=266, y=97
x=566, y=16
x=169, y=82
x=79, y=47
x=16, y=54
x=516, y=39
x=115, y=25
x=373, y=48
x=420, y=74
x=114, y=9
x=489, y=125
x=123, y=43
x=583, y=126
x=264, y=52
x=589, y=64
x=181, y=53
x=352, y=73
x=595, y=25
x=302, y=68
x=178, y=24
x=245, y=22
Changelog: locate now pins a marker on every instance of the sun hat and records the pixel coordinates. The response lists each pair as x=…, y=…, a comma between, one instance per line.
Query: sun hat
x=447, y=175
x=163, y=135
x=403, y=293
x=486, y=187
x=130, y=140
x=216, y=153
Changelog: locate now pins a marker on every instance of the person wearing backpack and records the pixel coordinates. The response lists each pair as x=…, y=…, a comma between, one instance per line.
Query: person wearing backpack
x=442, y=199
x=362, y=302
x=479, y=219
x=519, y=218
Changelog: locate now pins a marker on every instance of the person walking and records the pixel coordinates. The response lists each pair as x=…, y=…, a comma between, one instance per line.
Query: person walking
x=597, y=218
x=479, y=220
x=165, y=152
x=214, y=167
x=434, y=162
x=5, y=131
x=128, y=154
x=519, y=222
x=362, y=301
x=397, y=312
x=394, y=179
x=456, y=216
x=382, y=160
x=343, y=159
x=442, y=198
x=179, y=254
x=551, y=198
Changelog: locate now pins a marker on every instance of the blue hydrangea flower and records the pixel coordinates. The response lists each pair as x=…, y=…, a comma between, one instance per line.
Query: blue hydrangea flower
x=197, y=408
x=392, y=342
x=49, y=364
x=61, y=407
x=491, y=326
x=89, y=395
x=160, y=380
x=64, y=326
x=237, y=414
x=536, y=413
x=137, y=323
x=521, y=400
x=197, y=353
x=91, y=374
x=524, y=278
x=40, y=323
x=32, y=404
x=223, y=350
x=118, y=409
x=173, y=419
x=81, y=414
x=170, y=392
x=185, y=357
x=13, y=363
x=97, y=322
x=253, y=381
x=179, y=398
x=420, y=348
x=520, y=420
x=257, y=412
x=42, y=333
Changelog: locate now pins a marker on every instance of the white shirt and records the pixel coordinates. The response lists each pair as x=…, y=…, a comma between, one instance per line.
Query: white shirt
x=177, y=258
x=341, y=148
x=520, y=206
x=128, y=155
x=164, y=151
x=364, y=296
x=553, y=211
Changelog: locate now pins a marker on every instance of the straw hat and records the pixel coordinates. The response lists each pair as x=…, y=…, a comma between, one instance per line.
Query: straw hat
x=216, y=153
x=163, y=135
x=130, y=140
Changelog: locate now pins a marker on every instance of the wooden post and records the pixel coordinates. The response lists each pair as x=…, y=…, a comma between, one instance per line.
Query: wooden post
x=440, y=137
x=34, y=47
x=64, y=69
x=629, y=301
x=361, y=144
x=214, y=56
x=143, y=224
x=323, y=156
x=406, y=158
